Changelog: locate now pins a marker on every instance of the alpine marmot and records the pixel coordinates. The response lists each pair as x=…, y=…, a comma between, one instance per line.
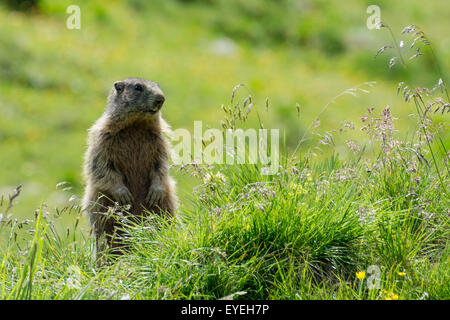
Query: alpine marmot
x=127, y=159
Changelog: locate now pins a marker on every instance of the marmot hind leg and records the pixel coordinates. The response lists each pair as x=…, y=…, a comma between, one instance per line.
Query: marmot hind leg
x=104, y=225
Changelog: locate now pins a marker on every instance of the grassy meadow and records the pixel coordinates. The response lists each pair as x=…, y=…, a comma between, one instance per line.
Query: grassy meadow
x=359, y=208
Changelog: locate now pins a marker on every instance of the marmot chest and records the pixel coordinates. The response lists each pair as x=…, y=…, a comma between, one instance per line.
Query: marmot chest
x=136, y=153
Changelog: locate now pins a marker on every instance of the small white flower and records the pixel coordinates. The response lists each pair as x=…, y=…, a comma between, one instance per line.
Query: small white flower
x=220, y=176
x=207, y=178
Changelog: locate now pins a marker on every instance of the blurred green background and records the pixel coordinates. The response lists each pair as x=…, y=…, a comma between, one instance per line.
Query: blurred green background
x=54, y=81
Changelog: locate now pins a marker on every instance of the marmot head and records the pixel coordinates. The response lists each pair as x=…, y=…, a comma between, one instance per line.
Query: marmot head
x=135, y=96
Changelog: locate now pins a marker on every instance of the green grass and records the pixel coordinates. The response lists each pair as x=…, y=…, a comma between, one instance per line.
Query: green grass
x=302, y=234
x=354, y=195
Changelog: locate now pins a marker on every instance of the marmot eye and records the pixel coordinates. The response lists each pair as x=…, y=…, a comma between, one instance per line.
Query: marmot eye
x=138, y=87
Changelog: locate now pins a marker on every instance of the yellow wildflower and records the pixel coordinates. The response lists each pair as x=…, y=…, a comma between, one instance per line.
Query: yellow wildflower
x=401, y=274
x=391, y=296
x=296, y=189
x=361, y=275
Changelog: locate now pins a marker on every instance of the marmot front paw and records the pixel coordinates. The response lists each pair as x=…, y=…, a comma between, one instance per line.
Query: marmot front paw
x=154, y=195
x=122, y=195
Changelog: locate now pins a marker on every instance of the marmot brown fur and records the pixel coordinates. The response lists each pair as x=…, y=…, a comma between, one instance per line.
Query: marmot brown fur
x=127, y=159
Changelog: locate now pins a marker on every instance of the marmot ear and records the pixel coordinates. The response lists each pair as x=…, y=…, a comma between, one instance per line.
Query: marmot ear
x=119, y=85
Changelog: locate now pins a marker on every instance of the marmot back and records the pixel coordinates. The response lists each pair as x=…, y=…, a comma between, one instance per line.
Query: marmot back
x=127, y=158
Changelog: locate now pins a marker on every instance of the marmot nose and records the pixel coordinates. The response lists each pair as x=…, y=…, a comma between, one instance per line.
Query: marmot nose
x=158, y=101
